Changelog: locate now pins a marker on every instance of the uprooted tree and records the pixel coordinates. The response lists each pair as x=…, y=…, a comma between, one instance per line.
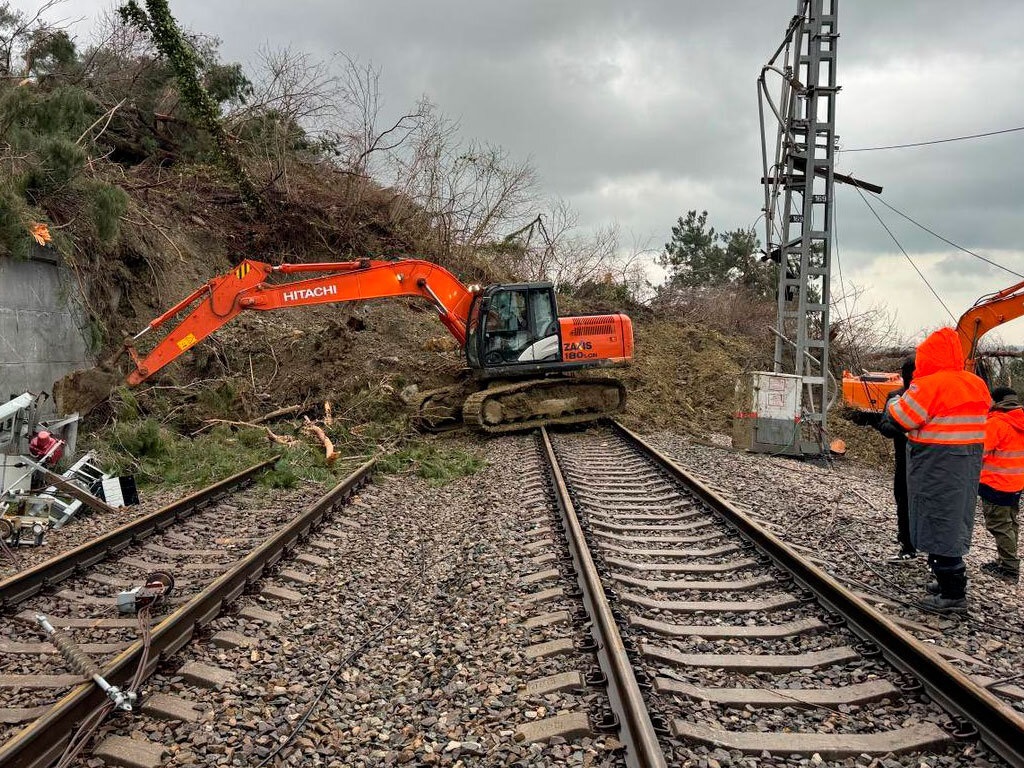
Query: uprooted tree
x=172, y=44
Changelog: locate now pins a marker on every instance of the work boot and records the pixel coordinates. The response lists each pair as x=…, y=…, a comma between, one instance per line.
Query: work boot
x=1000, y=571
x=932, y=587
x=950, y=594
x=940, y=604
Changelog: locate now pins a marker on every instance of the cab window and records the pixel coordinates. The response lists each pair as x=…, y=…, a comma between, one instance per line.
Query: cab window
x=516, y=321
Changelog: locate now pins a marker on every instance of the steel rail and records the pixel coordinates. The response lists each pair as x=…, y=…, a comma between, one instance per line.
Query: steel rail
x=637, y=733
x=999, y=726
x=27, y=583
x=42, y=742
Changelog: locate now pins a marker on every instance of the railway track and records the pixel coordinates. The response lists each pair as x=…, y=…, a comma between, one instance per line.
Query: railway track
x=216, y=543
x=715, y=635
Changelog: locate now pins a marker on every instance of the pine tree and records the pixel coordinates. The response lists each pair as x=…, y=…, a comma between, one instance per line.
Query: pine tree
x=697, y=256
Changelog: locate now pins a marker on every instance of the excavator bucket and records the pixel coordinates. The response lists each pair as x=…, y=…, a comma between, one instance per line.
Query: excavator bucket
x=83, y=390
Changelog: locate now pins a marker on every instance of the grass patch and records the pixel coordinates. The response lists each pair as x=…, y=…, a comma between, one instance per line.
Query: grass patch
x=432, y=461
x=159, y=457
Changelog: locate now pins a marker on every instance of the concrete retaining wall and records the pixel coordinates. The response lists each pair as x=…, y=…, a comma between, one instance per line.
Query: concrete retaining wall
x=41, y=326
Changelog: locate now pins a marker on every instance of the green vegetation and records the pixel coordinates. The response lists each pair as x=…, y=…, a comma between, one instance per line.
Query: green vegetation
x=433, y=460
x=107, y=206
x=160, y=457
x=699, y=257
x=189, y=68
x=66, y=113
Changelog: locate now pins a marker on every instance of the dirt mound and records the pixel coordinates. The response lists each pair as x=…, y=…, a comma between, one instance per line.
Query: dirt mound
x=683, y=376
x=83, y=390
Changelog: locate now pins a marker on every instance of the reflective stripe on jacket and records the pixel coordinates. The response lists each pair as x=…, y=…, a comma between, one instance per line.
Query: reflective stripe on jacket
x=948, y=407
x=1002, y=468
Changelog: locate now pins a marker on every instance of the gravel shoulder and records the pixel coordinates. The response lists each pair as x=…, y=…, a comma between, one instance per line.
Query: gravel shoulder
x=844, y=517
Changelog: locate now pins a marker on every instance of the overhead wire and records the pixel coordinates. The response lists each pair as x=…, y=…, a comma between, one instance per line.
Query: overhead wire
x=905, y=254
x=936, y=141
x=946, y=240
x=839, y=263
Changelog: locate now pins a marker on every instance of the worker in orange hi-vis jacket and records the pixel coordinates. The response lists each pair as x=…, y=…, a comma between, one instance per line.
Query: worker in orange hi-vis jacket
x=943, y=413
x=1002, y=479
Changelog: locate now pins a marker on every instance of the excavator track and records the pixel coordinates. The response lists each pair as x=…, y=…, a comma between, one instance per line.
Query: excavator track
x=528, y=404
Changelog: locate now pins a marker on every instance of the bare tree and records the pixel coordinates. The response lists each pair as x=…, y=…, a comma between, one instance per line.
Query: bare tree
x=292, y=100
x=472, y=192
x=362, y=135
x=17, y=30
x=552, y=247
x=859, y=329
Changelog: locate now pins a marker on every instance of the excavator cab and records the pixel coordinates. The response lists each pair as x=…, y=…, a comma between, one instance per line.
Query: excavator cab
x=513, y=325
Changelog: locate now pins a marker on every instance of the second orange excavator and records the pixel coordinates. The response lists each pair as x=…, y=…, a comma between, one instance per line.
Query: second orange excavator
x=868, y=391
x=527, y=364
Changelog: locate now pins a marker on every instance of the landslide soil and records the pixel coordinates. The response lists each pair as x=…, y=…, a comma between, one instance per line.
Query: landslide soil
x=185, y=226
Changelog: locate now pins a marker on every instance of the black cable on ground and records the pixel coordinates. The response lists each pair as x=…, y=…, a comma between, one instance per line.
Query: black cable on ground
x=10, y=554
x=906, y=255
x=341, y=666
x=935, y=141
x=970, y=617
x=345, y=662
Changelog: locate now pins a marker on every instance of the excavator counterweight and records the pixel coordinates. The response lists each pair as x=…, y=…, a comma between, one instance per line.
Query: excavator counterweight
x=529, y=366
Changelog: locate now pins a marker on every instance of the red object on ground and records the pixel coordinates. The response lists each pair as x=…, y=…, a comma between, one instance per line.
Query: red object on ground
x=43, y=443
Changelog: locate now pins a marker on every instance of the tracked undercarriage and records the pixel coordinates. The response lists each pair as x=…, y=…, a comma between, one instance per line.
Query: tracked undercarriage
x=510, y=406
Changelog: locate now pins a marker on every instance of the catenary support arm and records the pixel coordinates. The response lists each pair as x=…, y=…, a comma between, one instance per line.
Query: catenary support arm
x=246, y=287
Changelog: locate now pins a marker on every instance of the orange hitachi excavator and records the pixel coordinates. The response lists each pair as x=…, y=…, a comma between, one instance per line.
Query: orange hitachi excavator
x=869, y=391
x=525, y=360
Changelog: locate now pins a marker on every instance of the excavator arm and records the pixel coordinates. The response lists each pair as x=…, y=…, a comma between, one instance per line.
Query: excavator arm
x=987, y=313
x=246, y=287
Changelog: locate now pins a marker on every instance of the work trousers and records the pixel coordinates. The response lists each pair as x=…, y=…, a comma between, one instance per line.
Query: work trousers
x=951, y=573
x=1002, y=522
x=899, y=492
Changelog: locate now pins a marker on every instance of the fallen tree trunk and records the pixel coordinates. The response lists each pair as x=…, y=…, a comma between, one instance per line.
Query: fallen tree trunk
x=271, y=435
x=330, y=455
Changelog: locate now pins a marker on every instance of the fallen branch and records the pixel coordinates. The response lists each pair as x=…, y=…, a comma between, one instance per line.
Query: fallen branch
x=286, y=411
x=109, y=115
x=271, y=435
x=330, y=455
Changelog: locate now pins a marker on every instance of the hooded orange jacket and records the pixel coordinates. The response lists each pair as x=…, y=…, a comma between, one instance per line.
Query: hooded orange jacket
x=1003, y=463
x=944, y=405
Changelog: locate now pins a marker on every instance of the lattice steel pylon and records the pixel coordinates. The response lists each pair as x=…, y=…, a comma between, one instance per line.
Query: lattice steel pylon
x=799, y=233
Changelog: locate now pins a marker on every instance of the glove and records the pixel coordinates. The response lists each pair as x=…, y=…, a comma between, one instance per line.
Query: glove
x=866, y=418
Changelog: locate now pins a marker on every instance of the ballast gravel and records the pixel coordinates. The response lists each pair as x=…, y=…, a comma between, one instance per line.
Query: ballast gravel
x=408, y=648
x=82, y=528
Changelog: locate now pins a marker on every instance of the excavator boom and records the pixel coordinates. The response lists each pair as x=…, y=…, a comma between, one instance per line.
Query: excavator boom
x=246, y=287
x=987, y=313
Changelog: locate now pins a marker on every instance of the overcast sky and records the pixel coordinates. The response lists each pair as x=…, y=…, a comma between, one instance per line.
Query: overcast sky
x=637, y=111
